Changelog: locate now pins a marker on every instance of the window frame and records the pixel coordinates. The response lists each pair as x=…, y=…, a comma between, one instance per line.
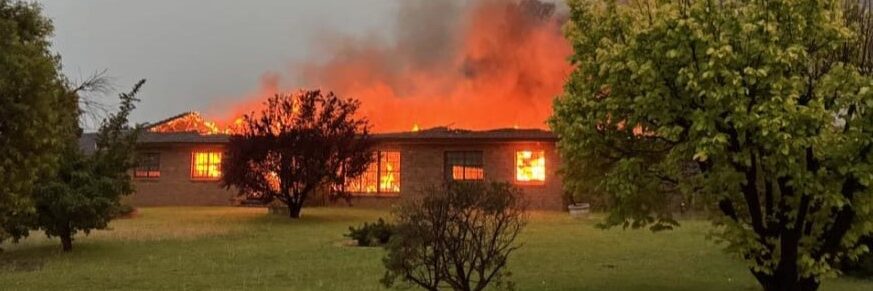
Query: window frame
x=466, y=155
x=209, y=162
x=380, y=170
x=150, y=168
x=517, y=167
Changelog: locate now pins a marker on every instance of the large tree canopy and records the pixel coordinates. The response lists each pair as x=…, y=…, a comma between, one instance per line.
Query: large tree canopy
x=296, y=144
x=85, y=192
x=763, y=109
x=36, y=109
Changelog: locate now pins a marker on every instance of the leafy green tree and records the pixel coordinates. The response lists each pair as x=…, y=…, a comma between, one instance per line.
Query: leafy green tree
x=85, y=192
x=763, y=109
x=35, y=109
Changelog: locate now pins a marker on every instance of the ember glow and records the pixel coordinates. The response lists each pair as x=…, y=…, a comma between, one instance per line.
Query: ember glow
x=530, y=166
x=188, y=122
x=477, y=65
x=195, y=122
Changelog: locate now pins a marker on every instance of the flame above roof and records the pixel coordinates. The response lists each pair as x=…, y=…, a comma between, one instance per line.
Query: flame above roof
x=190, y=122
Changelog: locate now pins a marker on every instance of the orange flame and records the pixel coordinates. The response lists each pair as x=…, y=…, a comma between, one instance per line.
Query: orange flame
x=481, y=65
x=387, y=181
x=207, y=165
x=530, y=166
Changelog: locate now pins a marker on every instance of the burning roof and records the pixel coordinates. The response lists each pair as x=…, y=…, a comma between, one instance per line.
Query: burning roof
x=189, y=122
x=191, y=127
x=446, y=133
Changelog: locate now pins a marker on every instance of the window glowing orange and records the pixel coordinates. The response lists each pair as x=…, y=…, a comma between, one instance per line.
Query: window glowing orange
x=206, y=165
x=530, y=166
x=366, y=182
x=389, y=172
x=381, y=176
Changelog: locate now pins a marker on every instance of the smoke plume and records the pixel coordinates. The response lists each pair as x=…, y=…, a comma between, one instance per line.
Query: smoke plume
x=476, y=64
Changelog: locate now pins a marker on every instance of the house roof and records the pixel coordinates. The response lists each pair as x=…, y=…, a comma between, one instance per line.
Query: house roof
x=149, y=126
x=148, y=137
x=88, y=141
x=185, y=122
x=450, y=134
x=190, y=122
x=439, y=134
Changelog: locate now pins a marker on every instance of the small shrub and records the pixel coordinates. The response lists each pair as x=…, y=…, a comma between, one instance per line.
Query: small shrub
x=369, y=234
x=381, y=231
x=361, y=235
x=458, y=236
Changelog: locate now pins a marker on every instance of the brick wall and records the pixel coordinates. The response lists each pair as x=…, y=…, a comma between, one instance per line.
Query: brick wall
x=422, y=165
x=175, y=187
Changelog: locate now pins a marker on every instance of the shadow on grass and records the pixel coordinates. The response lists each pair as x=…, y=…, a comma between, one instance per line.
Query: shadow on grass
x=28, y=259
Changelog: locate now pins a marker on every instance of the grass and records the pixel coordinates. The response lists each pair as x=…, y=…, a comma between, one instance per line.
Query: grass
x=245, y=248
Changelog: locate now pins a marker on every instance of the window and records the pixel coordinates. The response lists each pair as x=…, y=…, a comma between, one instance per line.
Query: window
x=530, y=167
x=381, y=176
x=148, y=165
x=464, y=166
x=206, y=165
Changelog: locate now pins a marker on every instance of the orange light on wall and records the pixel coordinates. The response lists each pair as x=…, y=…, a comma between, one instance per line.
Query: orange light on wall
x=206, y=165
x=530, y=166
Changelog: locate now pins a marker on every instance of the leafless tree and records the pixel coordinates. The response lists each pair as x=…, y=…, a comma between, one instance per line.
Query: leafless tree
x=458, y=236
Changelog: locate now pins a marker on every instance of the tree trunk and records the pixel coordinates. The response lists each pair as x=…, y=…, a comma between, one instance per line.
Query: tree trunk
x=786, y=276
x=66, y=241
x=771, y=284
x=294, y=210
x=782, y=281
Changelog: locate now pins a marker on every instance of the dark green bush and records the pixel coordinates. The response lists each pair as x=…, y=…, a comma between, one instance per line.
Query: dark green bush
x=863, y=267
x=370, y=234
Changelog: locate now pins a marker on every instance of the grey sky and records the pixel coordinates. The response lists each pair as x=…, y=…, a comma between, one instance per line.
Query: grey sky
x=198, y=53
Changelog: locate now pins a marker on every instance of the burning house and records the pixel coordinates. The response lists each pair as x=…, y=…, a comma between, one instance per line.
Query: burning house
x=474, y=64
x=180, y=164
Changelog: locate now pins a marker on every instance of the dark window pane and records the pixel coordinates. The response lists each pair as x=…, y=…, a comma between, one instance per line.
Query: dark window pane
x=464, y=166
x=148, y=166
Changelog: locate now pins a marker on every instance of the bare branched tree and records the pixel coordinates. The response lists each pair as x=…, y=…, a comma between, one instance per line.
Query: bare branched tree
x=458, y=236
x=88, y=92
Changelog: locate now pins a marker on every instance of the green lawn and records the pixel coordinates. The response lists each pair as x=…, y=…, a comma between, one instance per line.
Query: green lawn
x=245, y=248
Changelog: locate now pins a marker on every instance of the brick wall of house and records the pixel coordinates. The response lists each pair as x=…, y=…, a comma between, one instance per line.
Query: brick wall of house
x=175, y=187
x=422, y=165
